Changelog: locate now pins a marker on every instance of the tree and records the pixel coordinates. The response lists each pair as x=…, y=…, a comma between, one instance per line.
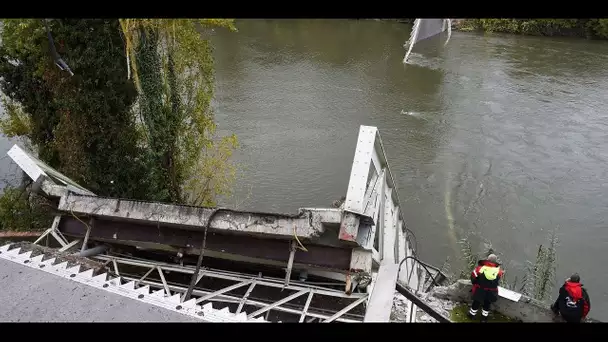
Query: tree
x=81, y=125
x=591, y=28
x=172, y=66
x=538, y=278
x=139, y=127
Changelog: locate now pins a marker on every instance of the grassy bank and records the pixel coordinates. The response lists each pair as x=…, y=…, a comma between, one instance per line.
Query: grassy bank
x=586, y=28
x=459, y=315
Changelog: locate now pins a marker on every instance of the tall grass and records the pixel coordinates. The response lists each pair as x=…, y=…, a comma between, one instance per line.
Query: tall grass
x=538, y=278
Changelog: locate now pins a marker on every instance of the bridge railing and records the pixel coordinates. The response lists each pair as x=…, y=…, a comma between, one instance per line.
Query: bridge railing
x=373, y=215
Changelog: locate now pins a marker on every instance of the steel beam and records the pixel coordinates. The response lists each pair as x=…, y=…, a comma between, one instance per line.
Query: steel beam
x=233, y=299
x=345, y=310
x=233, y=276
x=242, y=280
x=277, y=303
x=305, y=310
x=270, y=249
x=224, y=290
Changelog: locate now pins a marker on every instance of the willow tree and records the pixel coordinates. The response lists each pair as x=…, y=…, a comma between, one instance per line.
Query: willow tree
x=172, y=66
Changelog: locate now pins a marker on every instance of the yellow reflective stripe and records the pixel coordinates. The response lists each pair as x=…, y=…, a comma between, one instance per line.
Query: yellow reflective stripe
x=489, y=272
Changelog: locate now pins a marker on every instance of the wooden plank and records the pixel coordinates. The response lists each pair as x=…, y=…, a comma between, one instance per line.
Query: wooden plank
x=14, y=234
x=381, y=300
x=508, y=294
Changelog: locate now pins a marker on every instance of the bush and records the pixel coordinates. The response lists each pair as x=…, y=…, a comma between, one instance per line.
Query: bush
x=22, y=211
x=591, y=28
x=538, y=277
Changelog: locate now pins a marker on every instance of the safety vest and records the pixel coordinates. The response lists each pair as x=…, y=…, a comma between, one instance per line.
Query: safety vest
x=489, y=272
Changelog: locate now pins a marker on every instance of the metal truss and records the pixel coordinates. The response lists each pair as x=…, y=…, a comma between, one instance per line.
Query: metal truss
x=116, y=285
x=221, y=295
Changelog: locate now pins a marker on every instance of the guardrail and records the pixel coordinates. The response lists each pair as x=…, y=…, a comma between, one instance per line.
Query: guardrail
x=372, y=214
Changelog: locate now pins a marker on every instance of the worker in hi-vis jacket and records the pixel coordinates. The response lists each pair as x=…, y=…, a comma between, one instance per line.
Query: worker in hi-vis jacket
x=485, y=278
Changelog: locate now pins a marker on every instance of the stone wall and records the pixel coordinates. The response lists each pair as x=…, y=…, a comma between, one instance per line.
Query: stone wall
x=526, y=309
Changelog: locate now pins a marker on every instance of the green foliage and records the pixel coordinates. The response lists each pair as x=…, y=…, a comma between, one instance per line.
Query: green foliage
x=173, y=67
x=139, y=127
x=16, y=123
x=538, y=279
x=592, y=28
x=81, y=125
x=21, y=211
x=445, y=269
x=469, y=257
x=598, y=27
x=459, y=315
x=540, y=275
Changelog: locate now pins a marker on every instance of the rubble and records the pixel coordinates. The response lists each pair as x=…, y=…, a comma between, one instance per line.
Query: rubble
x=400, y=311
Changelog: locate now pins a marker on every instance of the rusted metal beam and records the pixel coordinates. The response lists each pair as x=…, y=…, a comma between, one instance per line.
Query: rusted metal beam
x=14, y=234
x=249, y=246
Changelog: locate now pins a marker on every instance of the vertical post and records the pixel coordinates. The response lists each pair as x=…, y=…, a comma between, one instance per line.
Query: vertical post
x=355, y=202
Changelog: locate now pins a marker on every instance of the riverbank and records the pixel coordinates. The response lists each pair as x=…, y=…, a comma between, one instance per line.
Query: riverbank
x=583, y=28
x=453, y=301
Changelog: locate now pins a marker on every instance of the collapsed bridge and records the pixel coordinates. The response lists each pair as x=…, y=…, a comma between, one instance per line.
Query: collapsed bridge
x=221, y=265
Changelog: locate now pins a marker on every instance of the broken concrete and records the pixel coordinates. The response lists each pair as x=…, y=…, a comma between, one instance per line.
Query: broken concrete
x=401, y=308
x=308, y=224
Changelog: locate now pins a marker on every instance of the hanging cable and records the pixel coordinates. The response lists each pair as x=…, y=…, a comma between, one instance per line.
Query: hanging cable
x=199, y=262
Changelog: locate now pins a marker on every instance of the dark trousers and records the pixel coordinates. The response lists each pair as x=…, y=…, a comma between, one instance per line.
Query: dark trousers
x=571, y=319
x=486, y=305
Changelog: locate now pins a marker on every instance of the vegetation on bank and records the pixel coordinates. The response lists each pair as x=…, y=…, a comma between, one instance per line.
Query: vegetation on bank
x=135, y=119
x=21, y=210
x=538, y=279
x=459, y=315
x=589, y=28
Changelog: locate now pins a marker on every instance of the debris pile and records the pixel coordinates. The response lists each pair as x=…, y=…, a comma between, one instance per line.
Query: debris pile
x=401, y=308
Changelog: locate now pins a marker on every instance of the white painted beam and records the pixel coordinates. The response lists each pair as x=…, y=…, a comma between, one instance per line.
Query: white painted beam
x=380, y=302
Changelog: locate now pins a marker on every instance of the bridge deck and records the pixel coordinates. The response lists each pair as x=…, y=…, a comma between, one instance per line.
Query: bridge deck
x=30, y=295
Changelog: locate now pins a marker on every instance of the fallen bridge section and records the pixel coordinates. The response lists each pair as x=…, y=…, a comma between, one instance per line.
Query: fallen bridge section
x=330, y=247
x=30, y=295
x=218, y=245
x=39, y=290
x=308, y=224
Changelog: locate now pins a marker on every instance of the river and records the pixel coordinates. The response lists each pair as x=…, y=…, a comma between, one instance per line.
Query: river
x=503, y=136
x=499, y=135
